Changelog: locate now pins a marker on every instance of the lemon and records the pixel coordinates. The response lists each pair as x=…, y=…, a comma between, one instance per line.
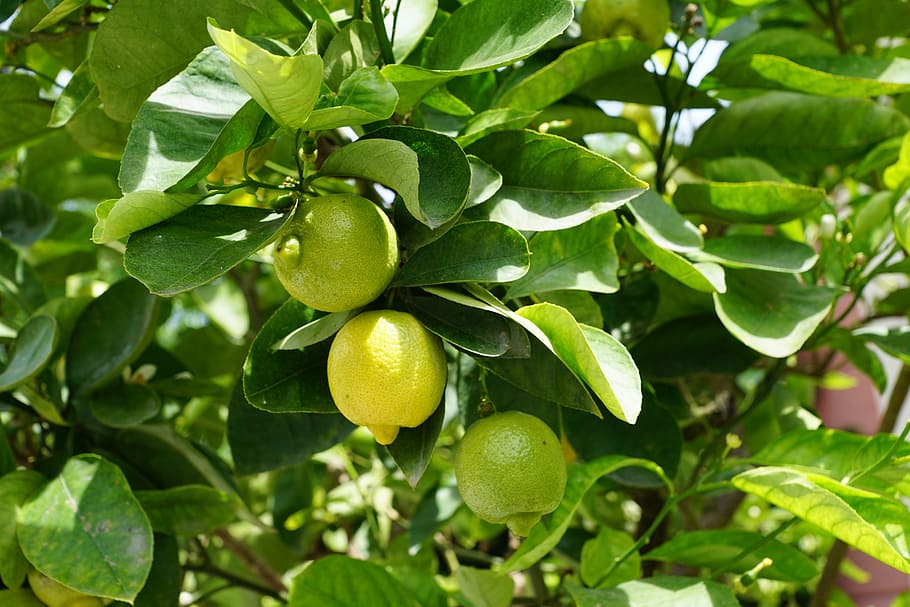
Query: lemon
x=645, y=20
x=54, y=594
x=386, y=371
x=338, y=253
x=510, y=468
x=230, y=168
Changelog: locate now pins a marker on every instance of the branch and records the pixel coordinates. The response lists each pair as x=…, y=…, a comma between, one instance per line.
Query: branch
x=235, y=580
x=253, y=562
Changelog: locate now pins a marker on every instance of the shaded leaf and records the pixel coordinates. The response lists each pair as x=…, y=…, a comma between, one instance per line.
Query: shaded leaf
x=18, y=281
x=123, y=405
x=477, y=331
x=35, y=345
x=25, y=115
x=413, y=447
x=484, y=588
x=599, y=553
x=24, y=219
x=755, y=202
x=15, y=489
x=135, y=211
x=188, y=510
x=329, y=579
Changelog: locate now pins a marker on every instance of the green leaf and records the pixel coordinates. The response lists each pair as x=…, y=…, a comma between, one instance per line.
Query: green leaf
x=34, y=347
x=796, y=132
x=484, y=588
x=285, y=381
x=550, y=183
x=859, y=354
x=485, y=180
x=867, y=521
x=717, y=548
x=444, y=173
x=198, y=245
x=261, y=441
x=118, y=218
x=407, y=21
x=175, y=140
x=364, y=96
x=25, y=115
x=412, y=83
x=414, y=447
x=19, y=597
x=769, y=253
x=546, y=534
x=895, y=341
x=596, y=357
x=286, y=87
x=658, y=591
x=898, y=172
x=478, y=331
x=740, y=169
x=753, y=202
x=24, y=219
x=15, y=488
x=701, y=276
x=123, y=405
x=79, y=95
x=491, y=121
x=111, y=332
x=486, y=34
x=580, y=258
x=59, y=11
x=663, y=224
x=162, y=588
x=900, y=216
x=86, y=530
x=142, y=44
x=329, y=580
x=475, y=251
x=18, y=281
x=573, y=68
x=352, y=48
x=771, y=312
x=599, y=553
x=188, y=510
x=315, y=331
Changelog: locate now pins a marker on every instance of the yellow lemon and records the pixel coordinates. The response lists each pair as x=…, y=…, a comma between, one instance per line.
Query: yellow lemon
x=54, y=594
x=645, y=20
x=338, y=253
x=510, y=468
x=386, y=371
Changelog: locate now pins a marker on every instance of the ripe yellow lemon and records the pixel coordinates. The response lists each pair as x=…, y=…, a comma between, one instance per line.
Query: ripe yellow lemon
x=510, y=468
x=386, y=371
x=645, y=20
x=54, y=594
x=338, y=253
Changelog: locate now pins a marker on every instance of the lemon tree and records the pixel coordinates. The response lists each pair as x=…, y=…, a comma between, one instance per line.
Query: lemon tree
x=437, y=303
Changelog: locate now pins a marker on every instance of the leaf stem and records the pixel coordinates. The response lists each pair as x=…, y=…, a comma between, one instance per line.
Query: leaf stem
x=385, y=47
x=298, y=14
x=253, y=562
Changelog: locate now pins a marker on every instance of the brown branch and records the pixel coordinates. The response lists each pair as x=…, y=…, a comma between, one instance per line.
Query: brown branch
x=252, y=561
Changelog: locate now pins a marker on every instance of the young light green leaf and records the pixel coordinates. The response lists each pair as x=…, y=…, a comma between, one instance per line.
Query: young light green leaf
x=593, y=355
x=412, y=83
x=900, y=216
x=705, y=277
x=658, y=591
x=332, y=576
x=870, y=522
x=546, y=534
x=188, y=509
x=58, y=13
x=755, y=202
x=758, y=252
x=315, y=331
x=580, y=258
x=663, y=224
x=354, y=47
x=109, y=552
x=600, y=553
x=771, y=312
x=898, y=172
x=15, y=489
x=364, y=96
x=286, y=87
x=475, y=251
x=407, y=21
x=484, y=588
x=135, y=211
x=33, y=349
x=198, y=245
x=550, y=183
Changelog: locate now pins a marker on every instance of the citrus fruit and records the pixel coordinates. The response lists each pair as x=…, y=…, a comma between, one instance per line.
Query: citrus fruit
x=338, y=253
x=510, y=469
x=386, y=371
x=644, y=20
x=54, y=594
x=230, y=168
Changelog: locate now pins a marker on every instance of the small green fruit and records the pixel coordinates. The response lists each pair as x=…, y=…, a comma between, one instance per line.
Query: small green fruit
x=644, y=20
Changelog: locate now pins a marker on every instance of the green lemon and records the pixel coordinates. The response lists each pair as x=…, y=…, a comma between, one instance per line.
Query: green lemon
x=54, y=594
x=645, y=20
x=511, y=469
x=386, y=371
x=338, y=253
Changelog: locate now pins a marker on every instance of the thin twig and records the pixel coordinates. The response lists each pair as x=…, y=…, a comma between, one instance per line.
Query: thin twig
x=252, y=561
x=236, y=580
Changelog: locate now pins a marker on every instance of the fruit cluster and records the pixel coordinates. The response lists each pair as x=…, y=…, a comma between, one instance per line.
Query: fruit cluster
x=387, y=371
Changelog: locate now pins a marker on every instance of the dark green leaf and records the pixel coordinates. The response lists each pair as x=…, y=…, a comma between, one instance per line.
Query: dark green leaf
x=15, y=489
x=658, y=591
x=550, y=183
x=34, y=347
x=476, y=331
x=79, y=95
x=59, y=10
x=895, y=341
x=188, y=510
x=329, y=580
x=18, y=281
x=413, y=448
x=435, y=508
x=111, y=333
x=122, y=405
x=19, y=597
x=25, y=114
x=755, y=202
x=108, y=551
x=162, y=588
x=198, y=245
x=24, y=219
x=284, y=381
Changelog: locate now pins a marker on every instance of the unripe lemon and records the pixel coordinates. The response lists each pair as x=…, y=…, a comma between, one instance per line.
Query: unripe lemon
x=54, y=594
x=510, y=469
x=644, y=20
x=386, y=371
x=338, y=253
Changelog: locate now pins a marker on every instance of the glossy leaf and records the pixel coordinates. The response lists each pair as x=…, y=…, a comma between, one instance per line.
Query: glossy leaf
x=188, y=510
x=491, y=121
x=124, y=405
x=658, y=591
x=118, y=218
x=550, y=183
x=488, y=34
x=599, y=553
x=198, y=245
x=758, y=252
x=34, y=347
x=15, y=489
x=477, y=331
x=546, y=534
x=18, y=281
x=331, y=576
x=867, y=521
x=580, y=258
x=663, y=224
x=364, y=96
x=755, y=202
x=285, y=381
x=413, y=83
x=475, y=251
x=286, y=87
x=24, y=219
x=484, y=588
x=771, y=312
x=25, y=115
x=315, y=331
x=86, y=530
x=111, y=332
x=414, y=447
x=485, y=181
x=407, y=22
x=705, y=277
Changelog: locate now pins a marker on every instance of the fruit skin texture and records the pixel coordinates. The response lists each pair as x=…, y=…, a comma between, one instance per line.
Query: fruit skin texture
x=338, y=253
x=386, y=371
x=511, y=469
x=54, y=594
x=645, y=20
